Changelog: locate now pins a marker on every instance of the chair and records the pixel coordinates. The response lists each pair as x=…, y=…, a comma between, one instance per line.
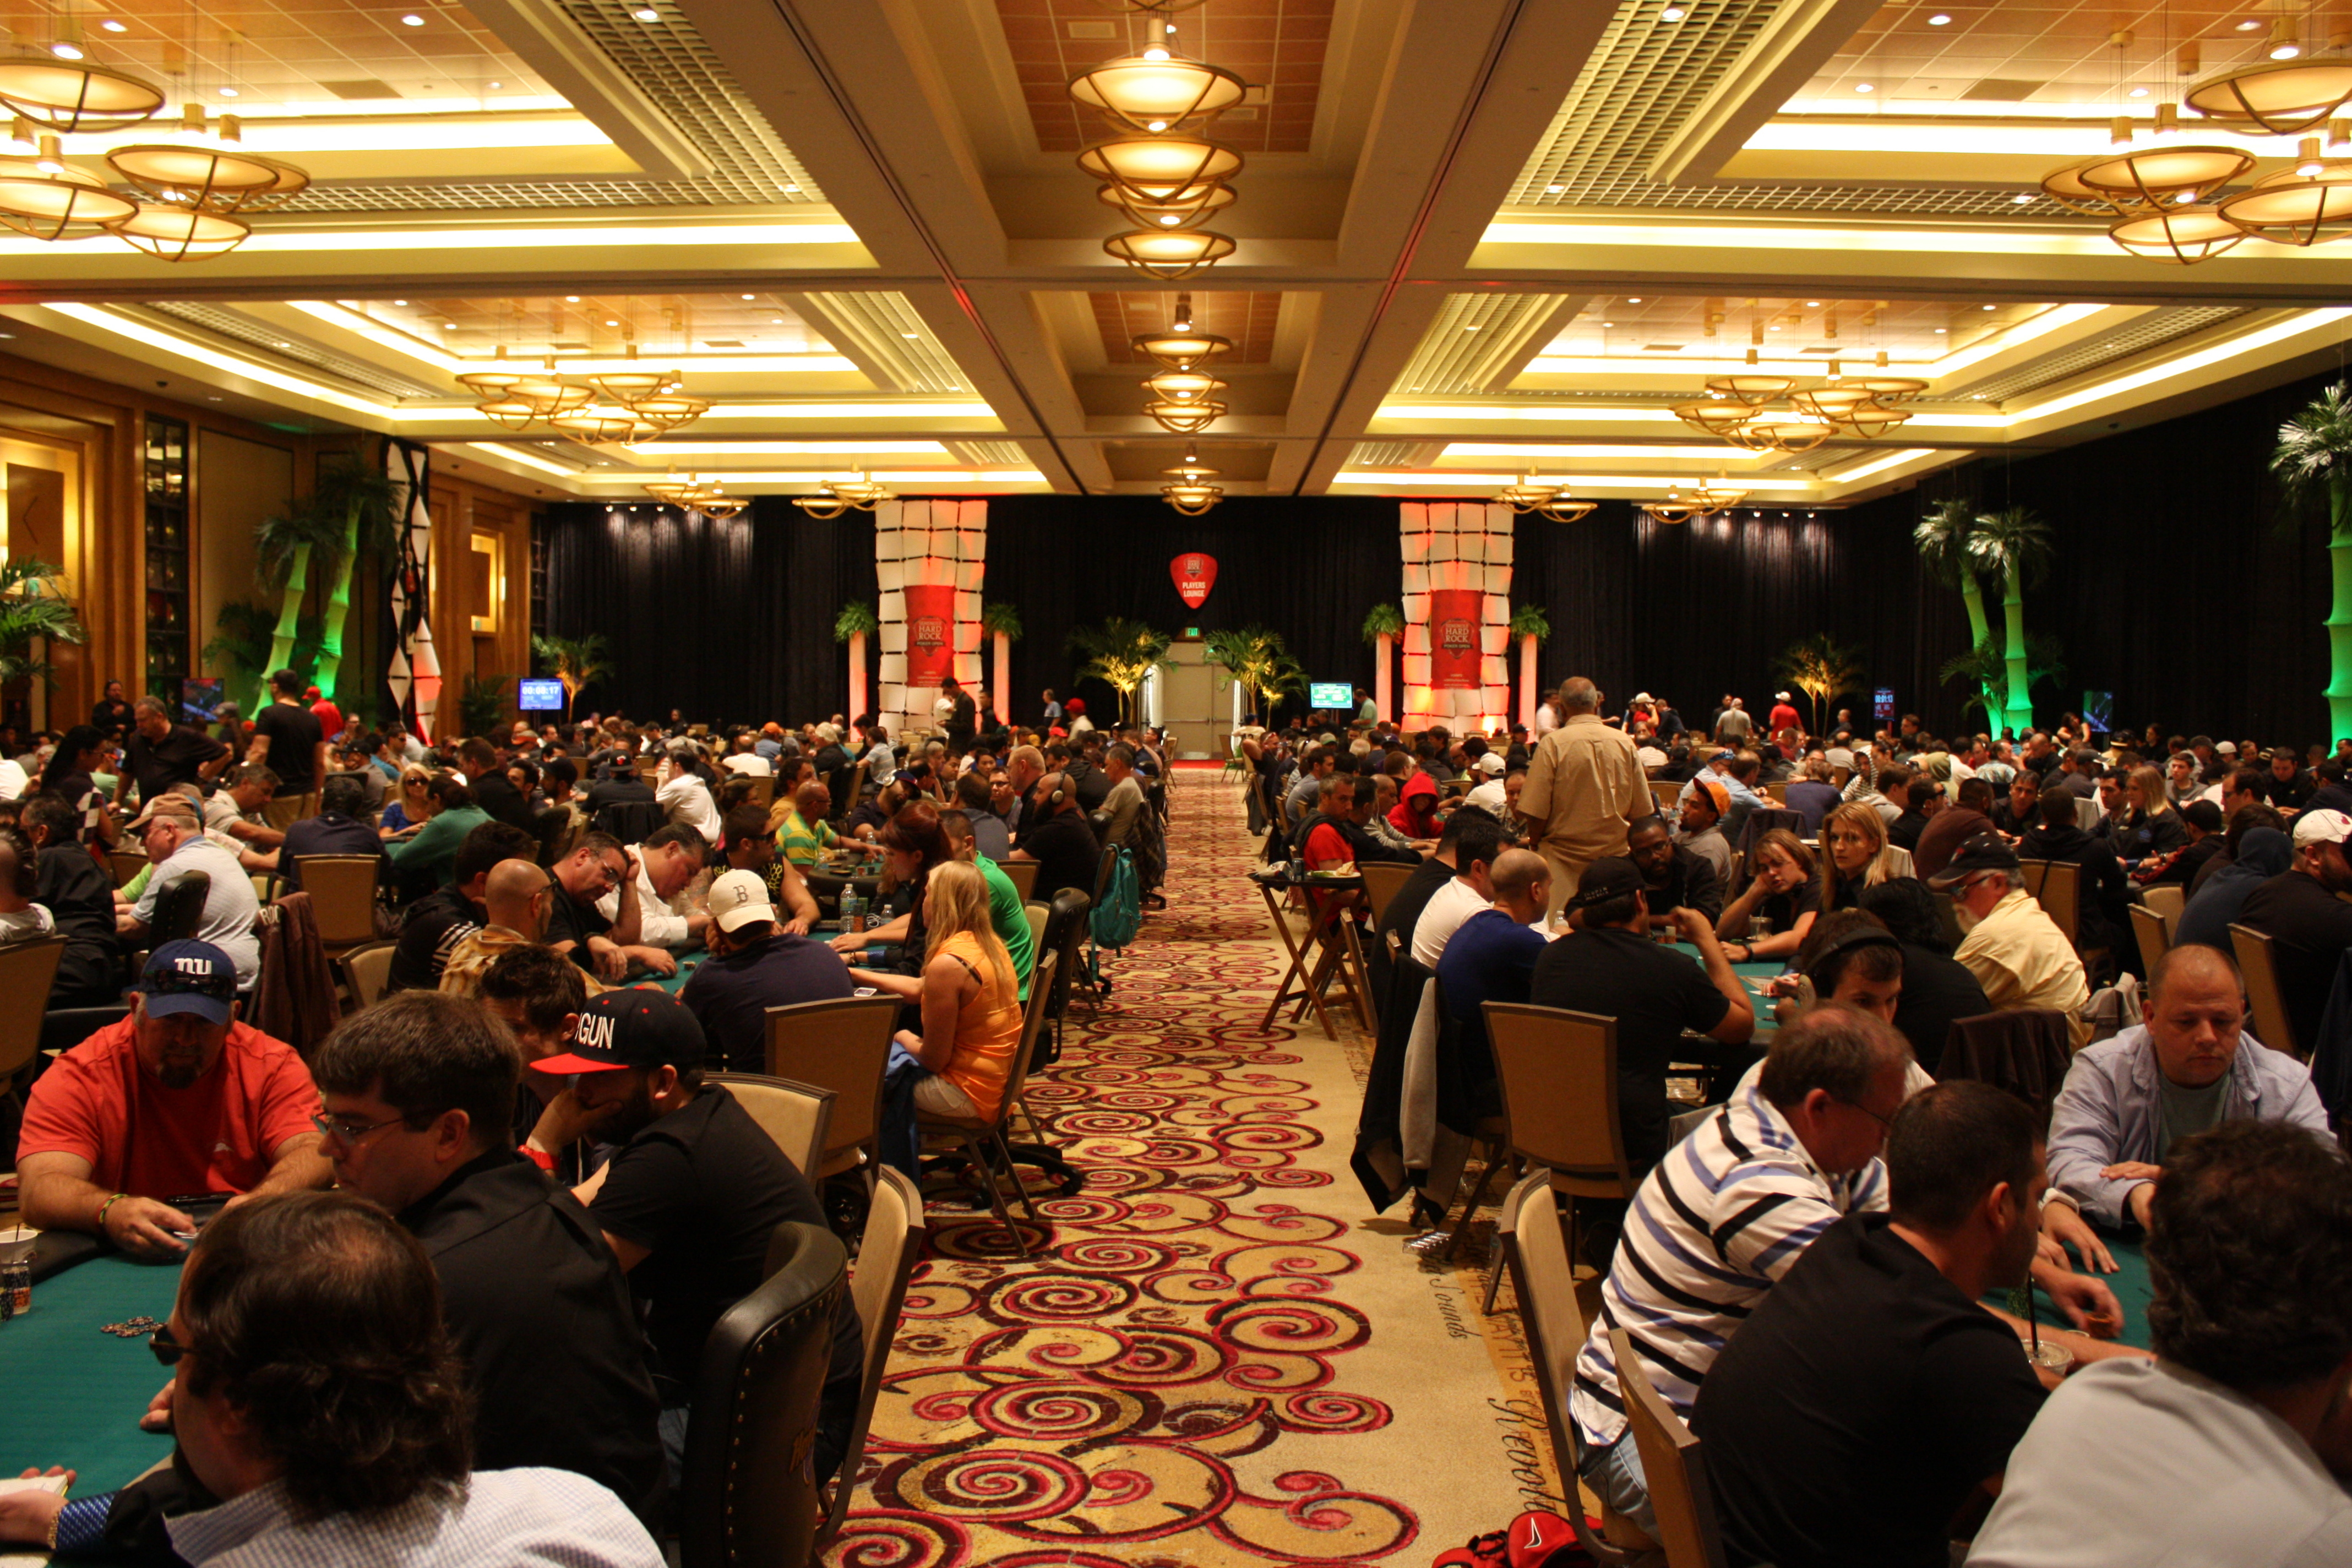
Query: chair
x=1023, y=875
x=2154, y=936
x=1665, y=795
x=2273, y=1026
x=2034, y=872
x=1383, y=878
x=1778, y=793
x=2167, y=899
x=1670, y=1463
x=886, y=1250
x=180, y=909
x=749, y=1492
x=2058, y=888
x=794, y=1114
x=763, y=793
x=982, y=1136
x=1040, y=1150
x=28, y=969
x=2027, y=1051
x=1037, y=915
x=342, y=897
x=1066, y=928
x=366, y=970
x=1543, y=1283
x=1558, y=1072
x=1236, y=763
x=125, y=864
x=842, y=1045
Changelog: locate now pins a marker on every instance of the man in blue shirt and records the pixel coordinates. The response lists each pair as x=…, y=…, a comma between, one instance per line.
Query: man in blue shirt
x=1488, y=958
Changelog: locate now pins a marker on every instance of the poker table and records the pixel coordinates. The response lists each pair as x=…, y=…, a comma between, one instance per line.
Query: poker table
x=1751, y=975
x=73, y=1395
x=687, y=963
x=2129, y=1282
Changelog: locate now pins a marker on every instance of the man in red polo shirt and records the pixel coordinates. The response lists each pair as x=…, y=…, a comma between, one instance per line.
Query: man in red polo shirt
x=178, y=1099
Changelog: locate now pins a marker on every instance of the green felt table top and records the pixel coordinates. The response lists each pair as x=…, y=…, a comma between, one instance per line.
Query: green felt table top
x=2129, y=1282
x=72, y=1395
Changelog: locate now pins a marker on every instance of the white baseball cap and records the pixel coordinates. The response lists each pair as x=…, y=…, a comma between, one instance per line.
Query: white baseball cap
x=1490, y=763
x=740, y=898
x=2322, y=827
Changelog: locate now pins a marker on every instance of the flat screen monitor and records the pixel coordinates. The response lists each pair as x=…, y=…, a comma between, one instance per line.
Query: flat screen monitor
x=1327, y=694
x=538, y=696
x=201, y=697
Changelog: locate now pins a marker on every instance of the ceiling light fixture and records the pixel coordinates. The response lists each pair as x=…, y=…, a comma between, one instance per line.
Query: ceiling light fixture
x=2306, y=205
x=1156, y=89
x=111, y=25
x=1184, y=385
x=65, y=97
x=2184, y=235
x=2284, y=96
x=1169, y=254
x=173, y=233
x=1187, y=489
x=1940, y=20
x=1181, y=349
x=1185, y=418
x=1188, y=205
x=411, y=20
x=44, y=204
x=1158, y=169
x=1672, y=14
x=66, y=51
x=857, y=494
x=645, y=14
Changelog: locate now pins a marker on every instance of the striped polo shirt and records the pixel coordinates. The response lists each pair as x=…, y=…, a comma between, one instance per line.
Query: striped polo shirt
x=1723, y=1216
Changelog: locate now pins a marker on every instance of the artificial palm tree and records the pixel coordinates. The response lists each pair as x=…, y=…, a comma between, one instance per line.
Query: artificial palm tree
x=32, y=606
x=370, y=502
x=1821, y=667
x=1531, y=627
x=1002, y=623
x=285, y=548
x=853, y=626
x=1942, y=537
x=575, y=661
x=2013, y=544
x=1260, y=664
x=1383, y=623
x=2314, y=461
x=1985, y=668
x=1121, y=653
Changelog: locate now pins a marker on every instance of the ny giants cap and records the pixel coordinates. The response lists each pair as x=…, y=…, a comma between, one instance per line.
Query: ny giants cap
x=189, y=977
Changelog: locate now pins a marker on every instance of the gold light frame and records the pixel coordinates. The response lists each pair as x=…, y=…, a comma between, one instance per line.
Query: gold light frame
x=1184, y=385
x=216, y=180
x=1180, y=348
x=1185, y=418
x=43, y=205
x=1169, y=254
x=67, y=96
x=1160, y=168
x=2285, y=98
x=2162, y=176
x=1182, y=210
x=2184, y=236
x=1157, y=91
x=172, y=233
x=2291, y=208
x=1191, y=499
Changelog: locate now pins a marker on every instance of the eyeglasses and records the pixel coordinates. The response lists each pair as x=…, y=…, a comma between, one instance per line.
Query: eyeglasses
x=167, y=1350
x=1884, y=1121
x=343, y=1133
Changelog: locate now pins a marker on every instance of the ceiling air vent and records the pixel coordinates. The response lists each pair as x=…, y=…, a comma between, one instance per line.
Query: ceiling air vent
x=1993, y=89
x=359, y=89
x=1662, y=348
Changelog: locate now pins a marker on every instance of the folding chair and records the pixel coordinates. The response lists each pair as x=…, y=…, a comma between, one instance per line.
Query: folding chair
x=366, y=970
x=983, y=1136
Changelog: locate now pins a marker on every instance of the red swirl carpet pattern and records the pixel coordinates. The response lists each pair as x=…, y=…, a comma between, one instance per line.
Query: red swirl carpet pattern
x=1187, y=1374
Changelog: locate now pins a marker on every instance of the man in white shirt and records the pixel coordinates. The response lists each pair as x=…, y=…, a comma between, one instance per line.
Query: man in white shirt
x=1468, y=891
x=687, y=799
x=177, y=844
x=1489, y=794
x=2235, y=1444
x=745, y=759
x=668, y=862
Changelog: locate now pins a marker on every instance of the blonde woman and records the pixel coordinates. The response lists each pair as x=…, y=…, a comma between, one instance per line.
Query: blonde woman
x=414, y=805
x=1855, y=855
x=1784, y=891
x=970, y=1000
x=2150, y=827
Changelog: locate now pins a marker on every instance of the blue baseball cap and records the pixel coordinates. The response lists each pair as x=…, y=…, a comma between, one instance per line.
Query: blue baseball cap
x=189, y=977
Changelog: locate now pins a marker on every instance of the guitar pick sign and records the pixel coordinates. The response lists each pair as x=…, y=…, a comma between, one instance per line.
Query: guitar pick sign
x=1195, y=574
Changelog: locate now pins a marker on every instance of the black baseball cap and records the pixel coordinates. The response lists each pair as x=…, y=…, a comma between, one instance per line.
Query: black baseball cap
x=1981, y=852
x=1611, y=877
x=632, y=1028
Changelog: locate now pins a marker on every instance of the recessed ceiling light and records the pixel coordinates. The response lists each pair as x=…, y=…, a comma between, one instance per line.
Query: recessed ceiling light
x=910, y=335
x=775, y=321
x=1812, y=304
x=572, y=298
x=1634, y=300
x=615, y=321
x=228, y=92
x=1776, y=329
x=2139, y=92
x=1864, y=86
x=448, y=326
x=1672, y=14
x=1554, y=190
x=111, y=25
x=747, y=296
x=791, y=190
x=282, y=343
x=1940, y=20
x=1988, y=307
x=496, y=85
x=411, y=20
x=1608, y=324
x=645, y=14
x=400, y=302
x=1939, y=331
x=2021, y=198
x=2248, y=25
x=1469, y=326
x=64, y=51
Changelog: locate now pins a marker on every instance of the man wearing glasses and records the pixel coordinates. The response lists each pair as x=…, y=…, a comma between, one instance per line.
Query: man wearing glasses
x=2016, y=952
x=574, y=926
x=219, y=1106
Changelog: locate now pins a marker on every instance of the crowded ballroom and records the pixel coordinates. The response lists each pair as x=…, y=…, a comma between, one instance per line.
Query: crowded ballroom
x=1175, y=783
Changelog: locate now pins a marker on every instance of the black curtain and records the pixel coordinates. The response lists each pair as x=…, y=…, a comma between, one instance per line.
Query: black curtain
x=2175, y=587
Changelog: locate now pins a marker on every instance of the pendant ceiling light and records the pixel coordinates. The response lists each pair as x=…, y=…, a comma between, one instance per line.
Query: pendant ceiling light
x=74, y=95
x=632, y=385
x=1673, y=508
x=1181, y=210
x=670, y=411
x=2064, y=187
x=1564, y=508
x=2290, y=207
x=1182, y=348
x=2164, y=177
x=1775, y=414
x=214, y=179
x=1156, y=90
x=1188, y=490
x=1184, y=385
x=173, y=233
x=2186, y=235
x=1160, y=168
x=1525, y=494
x=599, y=425
x=45, y=198
x=1186, y=419
x=857, y=494
x=2285, y=98
x=1169, y=254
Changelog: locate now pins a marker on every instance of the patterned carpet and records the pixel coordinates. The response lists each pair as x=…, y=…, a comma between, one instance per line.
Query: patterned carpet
x=1190, y=1372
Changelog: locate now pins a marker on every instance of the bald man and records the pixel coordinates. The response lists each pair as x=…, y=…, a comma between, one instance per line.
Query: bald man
x=1489, y=958
x=1585, y=787
x=519, y=896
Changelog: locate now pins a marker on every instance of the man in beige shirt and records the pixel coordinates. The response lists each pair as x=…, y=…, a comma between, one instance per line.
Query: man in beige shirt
x=2015, y=950
x=1584, y=787
x=518, y=897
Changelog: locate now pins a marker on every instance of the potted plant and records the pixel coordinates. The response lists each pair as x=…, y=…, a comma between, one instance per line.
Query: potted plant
x=1530, y=625
x=853, y=626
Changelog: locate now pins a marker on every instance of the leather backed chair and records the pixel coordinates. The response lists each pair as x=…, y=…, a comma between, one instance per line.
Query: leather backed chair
x=1557, y=1070
x=794, y=1115
x=28, y=970
x=749, y=1493
x=367, y=971
x=180, y=909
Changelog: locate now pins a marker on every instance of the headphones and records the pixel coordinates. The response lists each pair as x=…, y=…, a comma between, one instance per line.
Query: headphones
x=1861, y=936
x=1055, y=800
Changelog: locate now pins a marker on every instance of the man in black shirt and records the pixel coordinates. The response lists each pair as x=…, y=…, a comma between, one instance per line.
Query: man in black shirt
x=336, y=830
x=754, y=964
x=617, y=784
x=418, y=1093
x=693, y=1193
x=1060, y=841
x=1673, y=878
x=79, y=898
x=575, y=927
x=486, y=777
x=431, y=928
x=2286, y=785
x=2309, y=926
x=111, y=712
x=1869, y=1396
x=288, y=741
x=162, y=755
x=2018, y=812
x=1937, y=988
x=1610, y=966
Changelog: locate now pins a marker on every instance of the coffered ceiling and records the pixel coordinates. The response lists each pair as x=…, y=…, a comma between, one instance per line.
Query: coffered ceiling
x=1475, y=238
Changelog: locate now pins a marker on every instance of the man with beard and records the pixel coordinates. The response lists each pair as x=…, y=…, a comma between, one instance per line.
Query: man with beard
x=1673, y=878
x=219, y=1106
x=1868, y=1395
x=690, y=1197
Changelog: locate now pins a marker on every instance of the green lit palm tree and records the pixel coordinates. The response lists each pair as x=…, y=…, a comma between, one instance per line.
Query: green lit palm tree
x=2013, y=544
x=1942, y=537
x=1121, y=653
x=369, y=502
x=286, y=547
x=2314, y=461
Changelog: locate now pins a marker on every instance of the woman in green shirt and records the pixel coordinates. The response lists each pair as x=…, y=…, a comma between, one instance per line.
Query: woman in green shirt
x=429, y=860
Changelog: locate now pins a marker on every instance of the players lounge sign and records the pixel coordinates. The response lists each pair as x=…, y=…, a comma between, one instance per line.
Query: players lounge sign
x=1195, y=574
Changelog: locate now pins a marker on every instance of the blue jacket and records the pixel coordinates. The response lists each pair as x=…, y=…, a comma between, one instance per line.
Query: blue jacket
x=2106, y=1114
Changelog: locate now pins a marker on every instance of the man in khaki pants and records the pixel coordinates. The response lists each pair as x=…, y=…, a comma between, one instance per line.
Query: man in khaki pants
x=1585, y=785
x=288, y=741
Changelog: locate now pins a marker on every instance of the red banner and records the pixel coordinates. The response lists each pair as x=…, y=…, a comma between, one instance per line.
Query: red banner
x=1195, y=574
x=1455, y=618
x=931, y=633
